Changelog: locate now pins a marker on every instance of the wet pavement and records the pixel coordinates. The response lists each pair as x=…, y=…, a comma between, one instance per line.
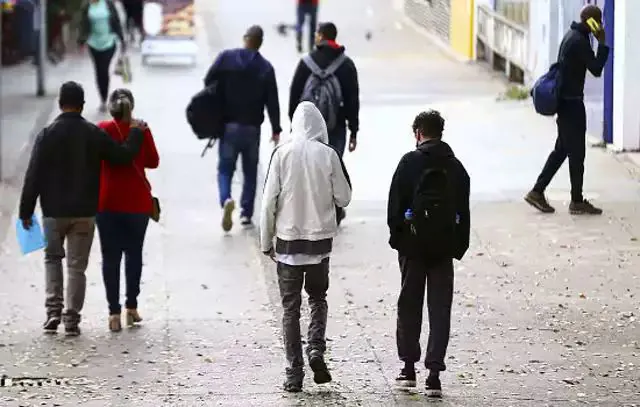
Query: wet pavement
x=545, y=312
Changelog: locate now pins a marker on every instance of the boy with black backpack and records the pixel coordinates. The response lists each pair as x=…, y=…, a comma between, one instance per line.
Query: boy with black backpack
x=329, y=79
x=429, y=220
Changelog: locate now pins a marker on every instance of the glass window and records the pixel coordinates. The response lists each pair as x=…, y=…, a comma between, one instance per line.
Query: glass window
x=516, y=11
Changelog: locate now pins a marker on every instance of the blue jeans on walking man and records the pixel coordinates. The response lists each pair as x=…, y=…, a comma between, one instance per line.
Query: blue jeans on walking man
x=243, y=140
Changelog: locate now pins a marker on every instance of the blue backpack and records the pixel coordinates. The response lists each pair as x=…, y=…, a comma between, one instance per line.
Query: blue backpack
x=546, y=92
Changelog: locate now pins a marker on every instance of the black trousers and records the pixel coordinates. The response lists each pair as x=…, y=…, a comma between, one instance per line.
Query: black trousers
x=102, y=63
x=338, y=140
x=572, y=128
x=438, y=278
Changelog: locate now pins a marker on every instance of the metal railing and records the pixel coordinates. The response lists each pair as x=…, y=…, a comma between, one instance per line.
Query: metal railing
x=503, y=38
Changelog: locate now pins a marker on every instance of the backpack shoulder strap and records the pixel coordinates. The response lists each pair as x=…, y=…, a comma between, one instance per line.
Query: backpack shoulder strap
x=328, y=71
x=333, y=67
x=311, y=64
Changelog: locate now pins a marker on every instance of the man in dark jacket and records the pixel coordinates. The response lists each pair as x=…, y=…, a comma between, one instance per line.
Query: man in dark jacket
x=328, y=50
x=248, y=84
x=64, y=172
x=306, y=9
x=416, y=270
x=575, y=57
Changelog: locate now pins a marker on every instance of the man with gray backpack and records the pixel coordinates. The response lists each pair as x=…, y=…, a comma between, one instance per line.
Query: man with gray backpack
x=329, y=79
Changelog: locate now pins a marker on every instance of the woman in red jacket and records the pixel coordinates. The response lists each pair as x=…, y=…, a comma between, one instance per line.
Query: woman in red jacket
x=123, y=213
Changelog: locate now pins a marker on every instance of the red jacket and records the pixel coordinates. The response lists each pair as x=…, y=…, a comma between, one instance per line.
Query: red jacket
x=125, y=188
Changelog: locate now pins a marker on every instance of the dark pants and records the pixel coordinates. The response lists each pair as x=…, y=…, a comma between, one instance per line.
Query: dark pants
x=304, y=11
x=121, y=233
x=438, y=278
x=291, y=279
x=338, y=140
x=572, y=127
x=133, y=10
x=242, y=140
x=101, y=63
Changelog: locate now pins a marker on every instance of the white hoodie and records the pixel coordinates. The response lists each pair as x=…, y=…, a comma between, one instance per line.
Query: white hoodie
x=305, y=181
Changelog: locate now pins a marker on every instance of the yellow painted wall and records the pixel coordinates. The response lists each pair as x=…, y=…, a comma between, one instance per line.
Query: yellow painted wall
x=461, y=27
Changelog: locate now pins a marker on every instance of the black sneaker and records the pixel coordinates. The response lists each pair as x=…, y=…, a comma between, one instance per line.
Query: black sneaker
x=432, y=387
x=538, y=201
x=51, y=324
x=321, y=373
x=293, y=386
x=406, y=378
x=584, y=208
x=246, y=222
x=71, y=322
x=295, y=377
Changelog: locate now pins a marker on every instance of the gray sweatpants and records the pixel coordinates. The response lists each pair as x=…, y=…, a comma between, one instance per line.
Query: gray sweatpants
x=315, y=280
x=78, y=233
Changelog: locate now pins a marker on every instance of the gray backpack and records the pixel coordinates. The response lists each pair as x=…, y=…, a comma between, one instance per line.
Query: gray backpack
x=323, y=89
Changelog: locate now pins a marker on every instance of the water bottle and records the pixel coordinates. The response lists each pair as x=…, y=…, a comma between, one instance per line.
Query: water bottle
x=408, y=215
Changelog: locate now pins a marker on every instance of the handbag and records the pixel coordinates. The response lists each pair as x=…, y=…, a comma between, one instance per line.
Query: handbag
x=123, y=68
x=155, y=202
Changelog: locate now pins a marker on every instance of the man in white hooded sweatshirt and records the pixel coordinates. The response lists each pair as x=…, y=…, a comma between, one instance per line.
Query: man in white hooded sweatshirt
x=305, y=182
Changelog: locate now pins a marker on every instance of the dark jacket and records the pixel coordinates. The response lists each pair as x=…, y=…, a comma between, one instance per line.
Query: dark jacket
x=404, y=182
x=347, y=75
x=249, y=85
x=576, y=57
x=114, y=21
x=65, y=164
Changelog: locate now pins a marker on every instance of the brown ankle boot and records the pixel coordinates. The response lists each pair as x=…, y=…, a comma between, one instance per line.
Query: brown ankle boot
x=133, y=317
x=115, y=325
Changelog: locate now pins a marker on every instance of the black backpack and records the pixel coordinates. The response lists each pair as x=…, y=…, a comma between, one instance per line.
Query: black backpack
x=205, y=112
x=432, y=224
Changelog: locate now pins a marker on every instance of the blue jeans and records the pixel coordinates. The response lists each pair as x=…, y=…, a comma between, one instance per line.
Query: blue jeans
x=121, y=233
x=303, y=11
x=242, y=140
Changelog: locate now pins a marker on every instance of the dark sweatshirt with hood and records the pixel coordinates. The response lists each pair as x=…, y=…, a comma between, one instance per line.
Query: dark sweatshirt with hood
x=576, y=57
x=347, y=75
x=249, y=84
x=404, y=183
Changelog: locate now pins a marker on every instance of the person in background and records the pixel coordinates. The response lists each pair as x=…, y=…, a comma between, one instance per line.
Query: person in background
x=347, y=103
x=123, y=212
x=249, y=84
x=64, y=172
x=429, y=223
x=305, y=182
x=133, y=10
x=100, y=29
x=306, y=9
x=576, y=56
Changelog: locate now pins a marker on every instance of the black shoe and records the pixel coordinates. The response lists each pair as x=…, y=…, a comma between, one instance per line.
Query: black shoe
x=538, y=201
x=71, y=322
x=407, y=377
x=584, y=208
x=293, y=386
x=432, y=387
x=321, y=373
x=51, y=324
x=246, y=222
x=299, y=47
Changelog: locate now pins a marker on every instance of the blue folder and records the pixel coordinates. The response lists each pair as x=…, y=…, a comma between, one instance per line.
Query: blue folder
x=32, y=239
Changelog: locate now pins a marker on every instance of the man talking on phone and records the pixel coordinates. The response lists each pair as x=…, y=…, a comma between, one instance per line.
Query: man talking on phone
x=575, y=57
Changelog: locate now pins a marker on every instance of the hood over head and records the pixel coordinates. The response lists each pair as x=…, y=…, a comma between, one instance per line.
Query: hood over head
x=436, y=148
x=308, y=124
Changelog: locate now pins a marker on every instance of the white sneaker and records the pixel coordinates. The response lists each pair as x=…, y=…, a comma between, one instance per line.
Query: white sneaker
x=227, y=212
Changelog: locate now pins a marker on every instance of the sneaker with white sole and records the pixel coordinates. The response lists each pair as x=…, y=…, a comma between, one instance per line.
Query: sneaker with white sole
x=227, y=213
x=433, y=387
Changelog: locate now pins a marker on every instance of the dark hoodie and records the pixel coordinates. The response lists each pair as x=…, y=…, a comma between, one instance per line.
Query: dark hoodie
x=576, y=57
x=347, y=75
x=403, y=185
x=249, y=85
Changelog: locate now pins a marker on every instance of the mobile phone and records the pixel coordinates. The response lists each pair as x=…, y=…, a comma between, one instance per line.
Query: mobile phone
x=594, y=25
